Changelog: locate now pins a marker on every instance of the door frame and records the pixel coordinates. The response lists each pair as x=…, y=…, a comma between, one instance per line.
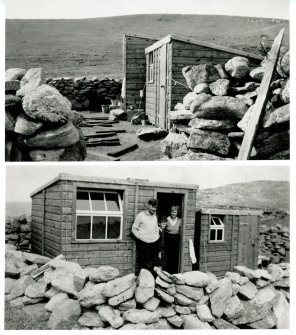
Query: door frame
x=184, y=194
x=161, y=113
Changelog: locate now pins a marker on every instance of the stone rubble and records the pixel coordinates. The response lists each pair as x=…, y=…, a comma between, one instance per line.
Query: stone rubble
x=108, y=300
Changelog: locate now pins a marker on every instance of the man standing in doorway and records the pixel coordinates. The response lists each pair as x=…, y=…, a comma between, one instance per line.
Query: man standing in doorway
x=146, y=231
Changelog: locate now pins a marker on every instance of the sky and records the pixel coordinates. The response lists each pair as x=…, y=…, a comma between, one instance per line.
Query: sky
x=54, y=9
x=22, y=180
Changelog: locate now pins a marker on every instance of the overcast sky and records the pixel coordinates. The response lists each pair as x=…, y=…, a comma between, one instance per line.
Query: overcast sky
x=41, y=9
x=22, y=180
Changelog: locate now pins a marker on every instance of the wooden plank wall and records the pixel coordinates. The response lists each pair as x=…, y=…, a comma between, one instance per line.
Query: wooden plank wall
x=184, y=54
x=152, y=91
x=219, y=257
x=47, y=221
x=135, y=68
x=117, y=254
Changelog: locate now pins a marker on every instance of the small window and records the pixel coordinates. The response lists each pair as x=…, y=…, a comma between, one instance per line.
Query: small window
x=151, y=67
x=216, y=229
x=99, y=215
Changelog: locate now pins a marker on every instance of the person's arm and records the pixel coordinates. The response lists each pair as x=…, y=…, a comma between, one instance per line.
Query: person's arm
x=136, y=226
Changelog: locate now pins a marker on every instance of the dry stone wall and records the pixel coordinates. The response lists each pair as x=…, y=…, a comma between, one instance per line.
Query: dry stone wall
x=40, y=124
x=100, y=298
x=215, y=115
x=87, y=94
x=18, y=232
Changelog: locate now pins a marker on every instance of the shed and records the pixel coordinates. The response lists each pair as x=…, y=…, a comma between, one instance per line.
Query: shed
x=89, y=220
x=165, y=60
x=225, y=238
x=134, y=68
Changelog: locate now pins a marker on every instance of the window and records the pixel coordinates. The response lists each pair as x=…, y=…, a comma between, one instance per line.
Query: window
x=216, y=229
x=150, y=67
x=99, y=215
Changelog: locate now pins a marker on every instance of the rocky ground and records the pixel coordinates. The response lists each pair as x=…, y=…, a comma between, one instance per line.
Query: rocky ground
x=100, y=298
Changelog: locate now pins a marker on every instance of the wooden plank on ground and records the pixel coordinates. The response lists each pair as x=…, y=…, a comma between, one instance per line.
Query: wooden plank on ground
x=102, y=157
x=122, y=150
x=89, y=118
x=110, y=130
x=261, y=100
x=95, y=125
x=99, y=135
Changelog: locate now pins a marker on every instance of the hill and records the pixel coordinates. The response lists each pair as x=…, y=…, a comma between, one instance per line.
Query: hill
x=93, y=47
x=258, y=194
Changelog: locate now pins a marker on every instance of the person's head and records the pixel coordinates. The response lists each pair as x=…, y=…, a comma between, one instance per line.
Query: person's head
x=152, y=205
x=173, y=211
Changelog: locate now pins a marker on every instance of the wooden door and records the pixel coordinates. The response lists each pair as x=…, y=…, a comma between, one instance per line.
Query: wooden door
x=162, y=103
x=247, y=241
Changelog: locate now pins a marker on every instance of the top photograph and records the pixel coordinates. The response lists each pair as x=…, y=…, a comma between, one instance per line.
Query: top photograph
x=147, y=80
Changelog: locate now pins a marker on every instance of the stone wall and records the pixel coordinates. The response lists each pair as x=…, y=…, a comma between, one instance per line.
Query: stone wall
x=18, y=232
x=87, y=94
x=99, y=298
x=210, y=122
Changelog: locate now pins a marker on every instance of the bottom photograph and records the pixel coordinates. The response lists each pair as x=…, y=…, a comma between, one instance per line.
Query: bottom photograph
x=151, y=247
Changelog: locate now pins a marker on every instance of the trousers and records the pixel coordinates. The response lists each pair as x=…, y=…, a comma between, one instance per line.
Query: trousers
x=148, y=254
x=172, y=250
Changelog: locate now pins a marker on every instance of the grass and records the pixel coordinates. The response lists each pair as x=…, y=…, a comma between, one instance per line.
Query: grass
x=93, y=47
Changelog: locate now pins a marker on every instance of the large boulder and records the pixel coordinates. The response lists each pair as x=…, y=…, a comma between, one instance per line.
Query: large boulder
x=265, y=297
x=268, y=322
x=35, y=259
x=14, y=74
x=126, y=305
x=64, y=136
x=104, y=274
x=64, y=312
x=201, y=88
x=281, y=310
x=246, y=272
x=200, y=156
x=209, y=141
x=252, y=313
x=238, y=67
x=194, y=293
x=63, y=280
x=219, y=108
x=31, y=81
x=213, y=283
x=91, y=319
x=25, y=126
x=174, y=145
x=206, y=124
x=166, y=312
x=141, y=316
x=19, y=287
x=257, y=73
x=182, y=300
x=276, y=117
x=233, y=308
x=12, y=85
x=112, y=316
x=204, y=313
x=203, y=73
x=193, y=322
x=29, y=301
x=36, y=290
x=118, y=285
x=220, y=296
x=151, y=304
x=151, y=133
x=188, y=99
x=123, y=296
x=91, y=295
x=47, y=104
x=56, y=301
x=247, y=291
x=164, y=296
x=196, y=278
x=145, y=287
x=220, y=87
x=223, y=324
x=176, y=321
x=163, y=275
x=283, y=64
x=285, y=92
x=181, y=116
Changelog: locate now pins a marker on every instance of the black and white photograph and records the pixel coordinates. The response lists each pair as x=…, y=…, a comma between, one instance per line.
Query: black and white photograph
x=113, y=247
x=147, y=165
x=147, y=80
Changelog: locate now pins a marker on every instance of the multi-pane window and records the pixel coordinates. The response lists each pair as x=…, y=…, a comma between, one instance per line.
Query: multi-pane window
x=151, y=67
x=99, y=215
x=216, y=229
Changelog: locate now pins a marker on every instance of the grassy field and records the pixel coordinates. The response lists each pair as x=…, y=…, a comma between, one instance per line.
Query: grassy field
x=93, y=47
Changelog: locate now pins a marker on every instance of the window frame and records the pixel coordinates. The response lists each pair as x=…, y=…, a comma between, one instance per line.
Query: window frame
x=215, y=227
x=93, y=213
x=150, y=67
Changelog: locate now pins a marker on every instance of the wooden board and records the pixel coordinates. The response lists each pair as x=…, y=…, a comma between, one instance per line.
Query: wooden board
x=162, y=87
x=261, y=100
x=122, y=150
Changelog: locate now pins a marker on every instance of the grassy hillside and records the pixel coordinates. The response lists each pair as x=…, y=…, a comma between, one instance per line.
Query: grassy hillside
x=259, y=194
x=93, y=47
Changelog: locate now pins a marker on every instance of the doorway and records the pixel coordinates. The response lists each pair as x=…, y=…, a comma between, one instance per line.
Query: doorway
x=165, y=201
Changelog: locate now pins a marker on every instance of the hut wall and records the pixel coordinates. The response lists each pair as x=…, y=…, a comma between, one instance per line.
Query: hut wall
x=134, y=68
x=184, y=54
x=46, y=220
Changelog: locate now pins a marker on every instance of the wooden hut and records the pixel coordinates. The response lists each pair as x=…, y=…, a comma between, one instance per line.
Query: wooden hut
x=225, y=238
x=89, y=220
x=134, y=68
x=165, y=60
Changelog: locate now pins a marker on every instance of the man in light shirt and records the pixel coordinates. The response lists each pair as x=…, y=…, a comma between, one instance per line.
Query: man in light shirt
x=146, y=231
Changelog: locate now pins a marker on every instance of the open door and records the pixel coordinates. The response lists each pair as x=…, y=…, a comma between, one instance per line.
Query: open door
x=162, y=90
x=166, y=200
x=247, y=253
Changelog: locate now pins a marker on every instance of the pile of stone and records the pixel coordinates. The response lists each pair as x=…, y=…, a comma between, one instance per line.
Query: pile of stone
x=275, y=243
x=18, y=232
x=212, y=119
x=87, y=94
x=99, y=298
x=39, y=122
